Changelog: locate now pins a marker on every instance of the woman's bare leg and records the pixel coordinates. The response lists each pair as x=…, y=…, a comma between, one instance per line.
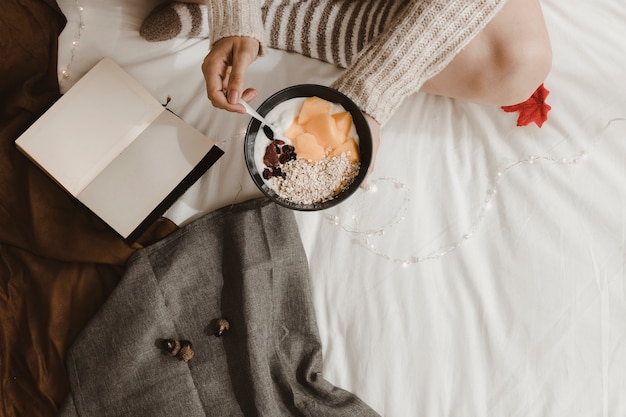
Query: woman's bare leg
x=502, y=65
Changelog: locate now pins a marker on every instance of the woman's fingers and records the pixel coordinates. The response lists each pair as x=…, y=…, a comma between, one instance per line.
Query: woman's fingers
x=244, y=53
x=249, y=94
x=225, y=69
x=215, y=71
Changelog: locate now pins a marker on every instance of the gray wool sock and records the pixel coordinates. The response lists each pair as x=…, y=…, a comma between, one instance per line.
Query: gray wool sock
x=175, y=20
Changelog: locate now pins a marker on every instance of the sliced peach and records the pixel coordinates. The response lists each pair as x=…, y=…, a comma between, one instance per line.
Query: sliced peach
x=311, y=107
x=324, y=128
x=307, y=148
x=349, y=148
x=344, y=124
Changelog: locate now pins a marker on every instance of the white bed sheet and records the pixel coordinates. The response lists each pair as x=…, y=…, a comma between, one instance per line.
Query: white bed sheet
x=484, y=273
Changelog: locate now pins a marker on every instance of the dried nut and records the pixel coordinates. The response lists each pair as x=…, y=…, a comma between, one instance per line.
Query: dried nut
x=221, y=326
x=186, y=351
x=182, y=349
x=171, y=346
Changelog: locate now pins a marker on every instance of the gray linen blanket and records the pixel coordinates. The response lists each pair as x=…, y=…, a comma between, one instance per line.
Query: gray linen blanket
x=243, y=263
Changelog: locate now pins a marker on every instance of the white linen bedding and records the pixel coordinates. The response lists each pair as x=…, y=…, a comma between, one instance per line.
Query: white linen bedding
x=484, y=272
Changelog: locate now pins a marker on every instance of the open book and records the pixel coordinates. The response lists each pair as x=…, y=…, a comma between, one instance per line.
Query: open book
x=119, y=151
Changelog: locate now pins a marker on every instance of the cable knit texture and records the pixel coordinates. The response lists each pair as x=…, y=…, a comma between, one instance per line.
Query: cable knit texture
x=334, y=31
x=236, y=18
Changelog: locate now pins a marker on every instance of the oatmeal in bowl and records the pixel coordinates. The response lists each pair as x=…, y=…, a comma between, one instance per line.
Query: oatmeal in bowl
x=320, y=153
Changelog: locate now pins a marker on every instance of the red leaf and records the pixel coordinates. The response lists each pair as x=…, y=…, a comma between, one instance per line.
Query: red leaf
x=535, y=109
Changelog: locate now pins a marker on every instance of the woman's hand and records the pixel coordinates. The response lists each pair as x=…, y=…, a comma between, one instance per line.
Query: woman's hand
x=375, y=129
x=225, y=69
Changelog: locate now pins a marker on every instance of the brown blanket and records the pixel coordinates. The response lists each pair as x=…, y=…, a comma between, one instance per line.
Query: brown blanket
x=58, y=261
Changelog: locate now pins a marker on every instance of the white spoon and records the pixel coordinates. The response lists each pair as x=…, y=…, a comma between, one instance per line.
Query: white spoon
x=262, y=119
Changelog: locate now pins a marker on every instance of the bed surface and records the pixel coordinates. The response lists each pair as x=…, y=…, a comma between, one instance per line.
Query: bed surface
x=482, y=272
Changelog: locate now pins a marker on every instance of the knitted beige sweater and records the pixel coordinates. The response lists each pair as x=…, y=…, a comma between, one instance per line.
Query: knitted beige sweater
x=419, y=39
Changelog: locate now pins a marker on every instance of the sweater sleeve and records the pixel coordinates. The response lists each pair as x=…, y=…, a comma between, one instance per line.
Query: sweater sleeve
x=422, y=40
x=236, y=18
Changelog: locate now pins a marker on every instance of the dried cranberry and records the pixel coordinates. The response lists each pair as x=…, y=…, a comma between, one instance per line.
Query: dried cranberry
x=270, y=158
x=285, y=157
x=289, y=154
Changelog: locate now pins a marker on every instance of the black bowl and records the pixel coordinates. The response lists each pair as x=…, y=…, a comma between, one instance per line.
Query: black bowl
x=326, y=93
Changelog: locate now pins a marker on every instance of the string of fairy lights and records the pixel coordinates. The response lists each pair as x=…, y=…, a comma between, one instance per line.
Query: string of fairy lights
x=367, y=236
x=65, y=72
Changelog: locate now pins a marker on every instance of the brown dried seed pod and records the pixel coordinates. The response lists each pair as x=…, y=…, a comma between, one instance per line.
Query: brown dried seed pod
x=186, y=351
x=221, y=326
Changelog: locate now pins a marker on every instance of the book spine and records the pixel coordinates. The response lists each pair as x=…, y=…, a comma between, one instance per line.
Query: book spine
x=205, y=163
